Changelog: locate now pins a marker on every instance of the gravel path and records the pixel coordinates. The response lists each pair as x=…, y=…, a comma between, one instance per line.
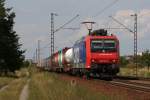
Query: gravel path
x=24, y=93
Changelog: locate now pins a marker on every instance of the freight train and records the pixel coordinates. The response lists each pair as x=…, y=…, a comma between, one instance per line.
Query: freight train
x=96, y=54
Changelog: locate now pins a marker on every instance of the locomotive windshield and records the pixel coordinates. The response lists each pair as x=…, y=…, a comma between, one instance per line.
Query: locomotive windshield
x=103, y=45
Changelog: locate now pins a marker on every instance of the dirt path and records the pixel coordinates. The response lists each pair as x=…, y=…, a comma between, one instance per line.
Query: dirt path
x=3, y=88
x=24, y=93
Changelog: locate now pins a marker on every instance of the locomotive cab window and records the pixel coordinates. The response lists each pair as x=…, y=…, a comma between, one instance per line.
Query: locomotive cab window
x=96, y=45
x=103, y=45
x=109, y=45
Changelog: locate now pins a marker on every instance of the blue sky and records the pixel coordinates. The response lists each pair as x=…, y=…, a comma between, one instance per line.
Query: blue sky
x=33, y=22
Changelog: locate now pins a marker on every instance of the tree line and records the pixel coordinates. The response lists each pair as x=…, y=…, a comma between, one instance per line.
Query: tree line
x=11, y=55
x=143, y=60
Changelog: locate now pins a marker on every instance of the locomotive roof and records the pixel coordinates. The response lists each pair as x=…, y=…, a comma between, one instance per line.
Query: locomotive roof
x=97, y=34
x=112, y=36
x=100, y=32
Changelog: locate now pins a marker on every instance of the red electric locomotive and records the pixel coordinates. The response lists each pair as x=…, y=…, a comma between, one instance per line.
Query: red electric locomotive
x=96, y=54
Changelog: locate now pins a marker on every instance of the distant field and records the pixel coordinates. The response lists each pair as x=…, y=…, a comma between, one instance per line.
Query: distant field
x=128, y=71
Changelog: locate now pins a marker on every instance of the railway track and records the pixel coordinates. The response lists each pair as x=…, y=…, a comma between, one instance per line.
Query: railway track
x=134, y=83
x=141, y=87
x=132, y=89
x=131, y=78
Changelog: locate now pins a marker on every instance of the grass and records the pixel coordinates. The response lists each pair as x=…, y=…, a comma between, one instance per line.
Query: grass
x=128, y=71
x=14, y=89
x=48, y=86
x=5, y=80
x=15, y=85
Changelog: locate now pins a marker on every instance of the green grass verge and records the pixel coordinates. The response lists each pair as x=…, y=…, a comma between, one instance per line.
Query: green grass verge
x=128, y=71
x=5, y=80
x=12, y=92
x=48, y=86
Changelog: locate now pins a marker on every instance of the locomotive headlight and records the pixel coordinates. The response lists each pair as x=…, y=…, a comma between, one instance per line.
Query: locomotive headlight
x=113, y=61
x=88, y=66
x=93, y=60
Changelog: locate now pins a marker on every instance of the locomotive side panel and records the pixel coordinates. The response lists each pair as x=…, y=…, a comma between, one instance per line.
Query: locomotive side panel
x=79, y=55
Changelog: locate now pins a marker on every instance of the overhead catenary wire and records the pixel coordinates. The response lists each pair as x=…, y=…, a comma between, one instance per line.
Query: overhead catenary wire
x=106, y=7
x=125, y=27
x=135, y=38
x=61, y=27
x=72, y=28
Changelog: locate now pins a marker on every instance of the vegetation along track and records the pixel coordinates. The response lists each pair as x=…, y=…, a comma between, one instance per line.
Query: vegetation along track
x=132, y=89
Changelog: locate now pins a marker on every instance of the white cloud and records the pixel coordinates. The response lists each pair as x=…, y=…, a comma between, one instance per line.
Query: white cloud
x=124, y=16
x=143, y=22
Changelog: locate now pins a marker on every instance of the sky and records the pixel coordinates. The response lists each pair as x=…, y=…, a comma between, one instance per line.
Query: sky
x=32, y=22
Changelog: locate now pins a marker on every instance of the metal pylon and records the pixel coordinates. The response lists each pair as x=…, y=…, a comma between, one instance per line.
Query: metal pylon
x=135, y=44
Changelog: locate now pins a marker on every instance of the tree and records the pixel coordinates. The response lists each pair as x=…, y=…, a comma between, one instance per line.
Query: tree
x=145, y=59
x=123, y=61
x=26, y=63
x=11, y=57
